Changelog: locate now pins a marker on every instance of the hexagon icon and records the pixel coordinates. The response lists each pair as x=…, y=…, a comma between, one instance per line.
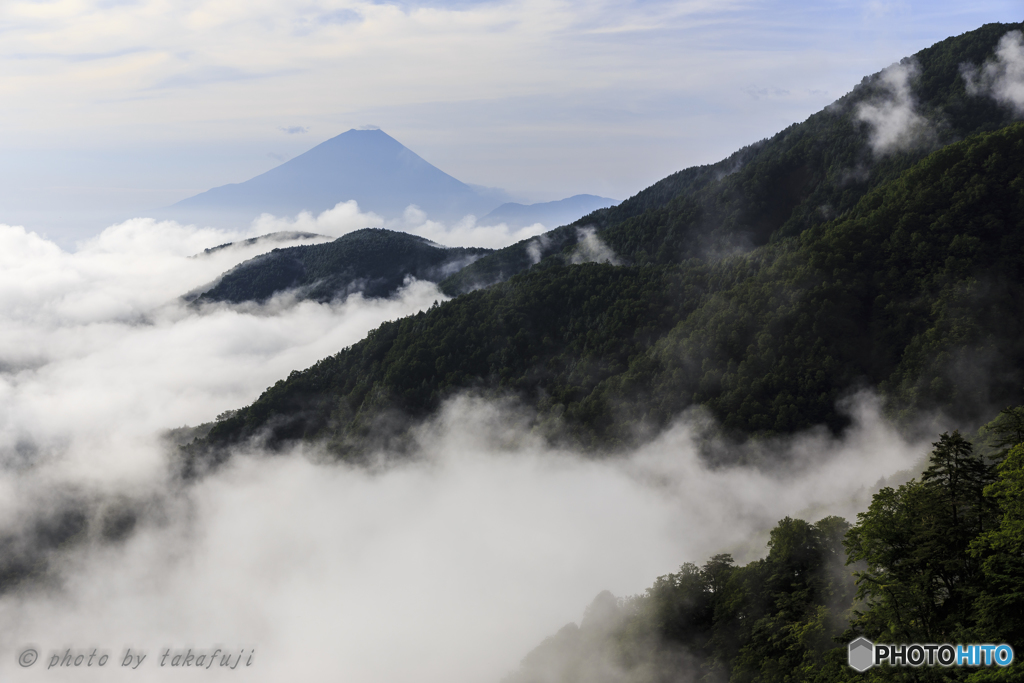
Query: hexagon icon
x=861, y=654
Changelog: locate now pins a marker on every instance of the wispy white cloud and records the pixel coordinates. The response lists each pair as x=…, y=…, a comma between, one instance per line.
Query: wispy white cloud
x=408, y=54
x=340, y=220
x=591, y=249
x=346, y=217
x=1003, y=77
x=465, y=232
x=894, y=121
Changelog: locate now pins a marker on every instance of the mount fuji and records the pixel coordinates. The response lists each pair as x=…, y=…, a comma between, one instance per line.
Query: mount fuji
x=369, y=166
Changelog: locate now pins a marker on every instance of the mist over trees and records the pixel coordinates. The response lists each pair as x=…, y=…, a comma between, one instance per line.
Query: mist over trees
x=935, y=560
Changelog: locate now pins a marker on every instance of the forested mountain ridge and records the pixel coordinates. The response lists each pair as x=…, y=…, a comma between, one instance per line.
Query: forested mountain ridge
x=918, y=291
x=372, y=261
x=799, y=178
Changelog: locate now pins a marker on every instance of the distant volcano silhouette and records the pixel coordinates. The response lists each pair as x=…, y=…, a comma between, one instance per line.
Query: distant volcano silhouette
x=368, y=166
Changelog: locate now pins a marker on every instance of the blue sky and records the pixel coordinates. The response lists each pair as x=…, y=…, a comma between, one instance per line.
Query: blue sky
x=114, y=107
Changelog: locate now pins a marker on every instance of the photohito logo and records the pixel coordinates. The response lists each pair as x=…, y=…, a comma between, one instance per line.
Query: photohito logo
x=862, y=654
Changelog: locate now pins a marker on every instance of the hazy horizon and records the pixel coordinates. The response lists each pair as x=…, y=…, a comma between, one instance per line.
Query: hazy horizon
x=115, y=110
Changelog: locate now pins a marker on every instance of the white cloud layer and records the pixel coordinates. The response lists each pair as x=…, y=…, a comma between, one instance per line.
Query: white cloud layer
x=1001, y=78
x=98, y=338
x=447, y=567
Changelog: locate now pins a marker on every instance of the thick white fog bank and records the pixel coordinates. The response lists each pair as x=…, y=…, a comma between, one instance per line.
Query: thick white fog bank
x=97, y=354
x=125, y=271
x=447, y=566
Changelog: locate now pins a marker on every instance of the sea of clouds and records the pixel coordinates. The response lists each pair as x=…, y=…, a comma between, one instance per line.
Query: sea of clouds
x=448, y=565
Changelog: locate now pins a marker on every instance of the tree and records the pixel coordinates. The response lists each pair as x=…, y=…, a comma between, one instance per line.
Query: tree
x=1001, y=604
x=1006, y=431
x=921, y=581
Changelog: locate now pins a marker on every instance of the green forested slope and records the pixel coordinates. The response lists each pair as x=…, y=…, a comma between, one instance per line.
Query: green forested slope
x=917, y=291
x=551, y=334
x=799, y=178
x=936, y=560
x=372, y=261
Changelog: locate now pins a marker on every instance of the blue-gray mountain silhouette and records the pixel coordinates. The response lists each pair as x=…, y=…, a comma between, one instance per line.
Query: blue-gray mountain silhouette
x=372, y=261
x=369, y=166
x=551, y=214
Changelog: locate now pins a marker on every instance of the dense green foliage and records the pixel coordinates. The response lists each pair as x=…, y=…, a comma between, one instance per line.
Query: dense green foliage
x=933, y=561
x=771, y=620
x=779, y=187
x=527, y=335
x=921, y=583
x=917, y=291
x=372, y=261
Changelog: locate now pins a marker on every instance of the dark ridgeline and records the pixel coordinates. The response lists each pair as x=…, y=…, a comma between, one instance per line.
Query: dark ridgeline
x=765, y=288
x=373, y=262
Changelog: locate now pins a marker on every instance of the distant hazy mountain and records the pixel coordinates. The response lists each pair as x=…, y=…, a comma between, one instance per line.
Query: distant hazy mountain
x=368, y=166
x=551, y=214
x=374, y=262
